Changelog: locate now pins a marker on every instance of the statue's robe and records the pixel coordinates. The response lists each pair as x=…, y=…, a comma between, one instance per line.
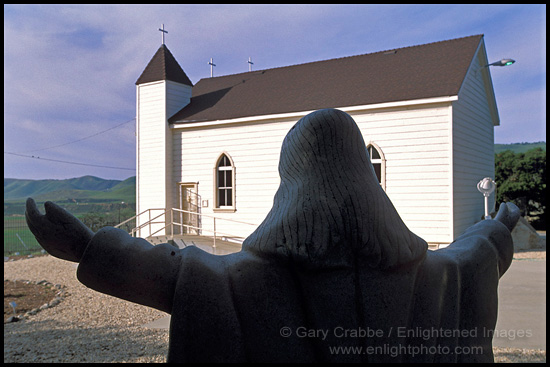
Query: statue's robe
x=238, y=307
x=331, y=275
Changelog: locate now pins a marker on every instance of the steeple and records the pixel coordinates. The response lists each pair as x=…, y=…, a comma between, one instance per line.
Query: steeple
x=163, y=66
x=162, y=90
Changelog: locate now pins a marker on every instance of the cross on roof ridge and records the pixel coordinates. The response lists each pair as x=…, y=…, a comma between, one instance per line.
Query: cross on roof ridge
x=163, y=32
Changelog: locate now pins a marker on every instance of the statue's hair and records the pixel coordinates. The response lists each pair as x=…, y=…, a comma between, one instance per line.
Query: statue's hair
x=330, y=208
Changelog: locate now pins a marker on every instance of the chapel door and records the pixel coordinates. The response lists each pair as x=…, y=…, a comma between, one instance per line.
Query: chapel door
x=190, y=205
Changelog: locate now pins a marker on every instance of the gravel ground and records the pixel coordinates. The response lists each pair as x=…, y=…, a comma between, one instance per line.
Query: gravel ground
x=88, y=326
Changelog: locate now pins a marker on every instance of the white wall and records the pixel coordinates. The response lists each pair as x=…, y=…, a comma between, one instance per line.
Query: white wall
x=156, y=102
x=254, y=149
x=177, y=96
x=416, y=145
x=415, y=142
x=473, y=147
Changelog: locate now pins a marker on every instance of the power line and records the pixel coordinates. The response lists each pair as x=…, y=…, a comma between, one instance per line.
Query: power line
x=77, y=163
x=81, y=139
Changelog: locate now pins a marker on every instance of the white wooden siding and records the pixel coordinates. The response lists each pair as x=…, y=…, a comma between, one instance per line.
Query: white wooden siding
x=150, y=148
x=154, y=154
x=415, y=143
x=473, y=148
x=254, y=149
x=177, y=96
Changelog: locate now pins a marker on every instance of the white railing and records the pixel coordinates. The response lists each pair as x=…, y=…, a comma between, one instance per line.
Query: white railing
x=150, y=221
x=172, y=224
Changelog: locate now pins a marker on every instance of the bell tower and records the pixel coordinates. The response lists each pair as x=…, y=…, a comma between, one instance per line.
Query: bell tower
x=162, y=90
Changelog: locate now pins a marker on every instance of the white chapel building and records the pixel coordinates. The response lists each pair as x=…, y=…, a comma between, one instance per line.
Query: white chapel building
x=427, y=114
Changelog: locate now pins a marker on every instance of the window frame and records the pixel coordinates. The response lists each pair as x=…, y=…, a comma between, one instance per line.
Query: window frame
x=381, y=161
x=217, y=208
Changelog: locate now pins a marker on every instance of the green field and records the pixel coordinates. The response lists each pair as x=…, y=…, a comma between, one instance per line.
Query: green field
x=18, y=237
x=82, y=196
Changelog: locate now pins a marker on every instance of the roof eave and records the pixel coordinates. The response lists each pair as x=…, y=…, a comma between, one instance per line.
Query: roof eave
x=182, y=124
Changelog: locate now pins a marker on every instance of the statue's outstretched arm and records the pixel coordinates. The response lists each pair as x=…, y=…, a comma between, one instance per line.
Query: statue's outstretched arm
x=508, y=214
x=58, y=232
x=496, y=232
x=131, y=268
x=110, y=260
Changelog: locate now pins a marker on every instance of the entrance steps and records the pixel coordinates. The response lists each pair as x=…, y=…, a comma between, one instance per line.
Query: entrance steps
x=205, y=243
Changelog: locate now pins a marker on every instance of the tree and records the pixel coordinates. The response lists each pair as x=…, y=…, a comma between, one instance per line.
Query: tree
x=94, y=221
x=521, y=179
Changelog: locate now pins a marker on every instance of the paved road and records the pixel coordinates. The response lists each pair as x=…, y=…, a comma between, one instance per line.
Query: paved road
x=522, y=307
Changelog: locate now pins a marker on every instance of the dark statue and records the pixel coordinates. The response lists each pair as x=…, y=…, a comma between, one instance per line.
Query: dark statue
x=332, y=267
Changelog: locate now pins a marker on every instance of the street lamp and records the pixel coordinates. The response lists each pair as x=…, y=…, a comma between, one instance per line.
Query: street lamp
x=486, y=187
x=503, y=62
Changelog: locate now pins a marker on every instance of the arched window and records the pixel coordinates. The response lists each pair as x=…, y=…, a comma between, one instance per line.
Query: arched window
x=224, y=178
x=378, y=162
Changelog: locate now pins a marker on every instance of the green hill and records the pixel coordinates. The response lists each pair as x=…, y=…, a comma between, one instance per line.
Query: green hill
x=21, y=189
x=78, y=195
x=520, y=147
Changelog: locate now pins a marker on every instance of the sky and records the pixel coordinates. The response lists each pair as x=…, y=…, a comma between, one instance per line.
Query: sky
x=70, y=70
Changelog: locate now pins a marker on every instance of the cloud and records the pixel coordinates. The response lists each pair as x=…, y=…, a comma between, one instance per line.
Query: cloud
x=69, y=70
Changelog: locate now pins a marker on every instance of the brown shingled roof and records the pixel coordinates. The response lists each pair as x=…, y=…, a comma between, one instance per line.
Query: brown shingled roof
x=431, y=70
x=163, y=66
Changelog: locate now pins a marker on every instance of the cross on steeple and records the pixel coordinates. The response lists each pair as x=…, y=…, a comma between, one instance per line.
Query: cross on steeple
x=211, y=63
x=163, y=31
x=250, y=63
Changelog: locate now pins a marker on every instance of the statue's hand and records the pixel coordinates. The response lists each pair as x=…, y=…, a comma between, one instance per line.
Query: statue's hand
x=58, y=231
x=508, y=214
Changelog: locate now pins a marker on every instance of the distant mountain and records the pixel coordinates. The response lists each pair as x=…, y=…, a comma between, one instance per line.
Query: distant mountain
x=81, y=187
x=77, y=195
x=520, y=147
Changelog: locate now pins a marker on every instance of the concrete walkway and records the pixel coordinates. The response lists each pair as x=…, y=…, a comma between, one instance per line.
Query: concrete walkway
x=522, y=307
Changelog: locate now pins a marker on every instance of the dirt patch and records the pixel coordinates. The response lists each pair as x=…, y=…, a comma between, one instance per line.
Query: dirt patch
x=28, y=296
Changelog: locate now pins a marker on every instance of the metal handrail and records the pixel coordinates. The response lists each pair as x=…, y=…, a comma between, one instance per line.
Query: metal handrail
x=148, y=223
x=172, y=223
x=212, y=216
x=214, y=231
x=137, y=215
